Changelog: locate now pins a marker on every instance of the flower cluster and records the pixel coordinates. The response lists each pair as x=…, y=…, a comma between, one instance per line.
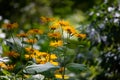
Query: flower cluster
x=57, y=30
x=40, y=57
x=10, y=26
x=12, y=54
x=6, y=66
x=46, y=19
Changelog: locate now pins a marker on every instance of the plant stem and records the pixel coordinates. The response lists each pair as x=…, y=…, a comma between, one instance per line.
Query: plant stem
x=14, y=41
x=64, y=64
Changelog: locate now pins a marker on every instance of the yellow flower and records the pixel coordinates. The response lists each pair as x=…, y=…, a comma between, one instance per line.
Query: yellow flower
x=44, y=54
x=38, y=60
x=53, y=57
x=43, y=19
x=55, y=35
x=38, y=53
x=41, y=60
x=60, y=70
x=69, y=29
x=10, y=67
x=54, y=26
x=30, y=50
x=12, y=54
x=46, y=19
x=40, y=57
x=59, y=76
x=22, y=35
x=32, y=53
x=35, y=31
x=3, y=65
x=27, y=56
x=54, y=63
x=44, y=59
x=10, y=26
x=63, y=23
x=56, y=43
x=81, y=35
x=32, y=41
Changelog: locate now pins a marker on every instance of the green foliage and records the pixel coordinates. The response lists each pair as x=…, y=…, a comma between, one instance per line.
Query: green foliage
x=36, y=77
x=76, y=68
x=6, y=72
x=104, y=32
x=5, y=47
x=38, y=68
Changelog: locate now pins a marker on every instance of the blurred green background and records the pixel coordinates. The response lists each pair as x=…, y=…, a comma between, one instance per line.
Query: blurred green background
x=30, y=10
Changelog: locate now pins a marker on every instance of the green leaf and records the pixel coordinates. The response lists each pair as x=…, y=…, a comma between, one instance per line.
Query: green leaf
x=36, y=77
x=39, y=68
x=4, y=78
x=76, y=68
x=6, y=72
x=5, y=48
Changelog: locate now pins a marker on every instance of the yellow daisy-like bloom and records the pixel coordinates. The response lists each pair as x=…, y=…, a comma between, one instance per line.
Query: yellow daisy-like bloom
x=59, y=76
x=81, y=35
x=10, y=67
x=56, y=43
x=30, y=50
x=46, y=19
x=27, y=56
x=38, y=60
x=44, y=54
x=12, y=54
x=30, y=56
x=41, y=57
x=53, y=56
x=10, y=25
x=43, y=19
x=55, y=35
x=54, y=26
x=3, y=65
x=69, y=29
x=31, y=53
x=43, y=60
x=35, y=31
x=22, y=35
x=32, y=41
x=60, y=70
x=63, y=23
x=54, y=63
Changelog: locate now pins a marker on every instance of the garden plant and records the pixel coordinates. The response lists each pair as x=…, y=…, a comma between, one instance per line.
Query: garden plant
x=38, y=54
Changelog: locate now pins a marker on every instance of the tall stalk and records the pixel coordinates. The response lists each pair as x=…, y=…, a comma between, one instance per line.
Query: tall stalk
x=14, y=41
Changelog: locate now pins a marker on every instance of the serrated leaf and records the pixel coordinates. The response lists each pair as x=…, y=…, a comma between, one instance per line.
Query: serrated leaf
x=76, y=68
x=39, y=68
